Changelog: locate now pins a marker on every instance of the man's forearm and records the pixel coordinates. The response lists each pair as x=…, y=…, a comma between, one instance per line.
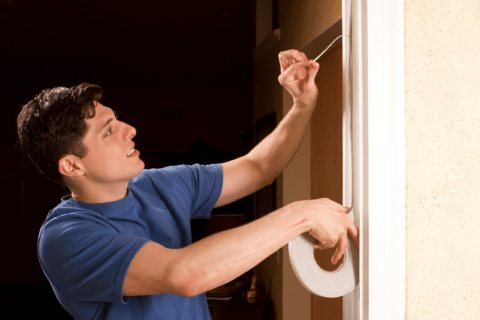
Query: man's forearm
x=273, y=154
x=222, y=257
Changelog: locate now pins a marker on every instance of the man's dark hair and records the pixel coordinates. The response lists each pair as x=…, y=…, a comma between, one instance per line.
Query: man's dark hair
x=52, y=125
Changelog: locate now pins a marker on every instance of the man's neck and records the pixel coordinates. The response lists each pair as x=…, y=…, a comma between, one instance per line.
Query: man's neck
x=100, y=194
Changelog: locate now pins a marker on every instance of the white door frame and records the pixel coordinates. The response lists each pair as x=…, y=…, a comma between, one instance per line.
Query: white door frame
x=376, y=186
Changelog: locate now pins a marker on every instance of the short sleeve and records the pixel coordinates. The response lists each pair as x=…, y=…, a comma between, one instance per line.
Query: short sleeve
x=85, y=259
x=186, y=188
x=208, y=184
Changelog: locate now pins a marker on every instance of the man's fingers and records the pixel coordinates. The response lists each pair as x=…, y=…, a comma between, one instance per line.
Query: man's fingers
x=300, y=56
x=312, y=71
x=291, y=54
x=287, y=58
x=335, y=205
x=353, y=230
x=292, y=70
x=341, y=247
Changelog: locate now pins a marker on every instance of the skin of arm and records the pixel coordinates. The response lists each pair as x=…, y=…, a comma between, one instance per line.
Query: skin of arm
x=220, y=258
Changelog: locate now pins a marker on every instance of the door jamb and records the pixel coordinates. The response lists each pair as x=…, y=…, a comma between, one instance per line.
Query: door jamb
x=378, y=175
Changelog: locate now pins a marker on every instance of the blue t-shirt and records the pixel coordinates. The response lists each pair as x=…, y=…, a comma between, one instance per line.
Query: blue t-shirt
x=85, y=249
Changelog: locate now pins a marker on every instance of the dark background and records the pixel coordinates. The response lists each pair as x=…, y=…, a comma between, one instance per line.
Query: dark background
x=180, y=72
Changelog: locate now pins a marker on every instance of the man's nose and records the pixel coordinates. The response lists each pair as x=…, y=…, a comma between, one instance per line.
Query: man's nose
x=130, y=132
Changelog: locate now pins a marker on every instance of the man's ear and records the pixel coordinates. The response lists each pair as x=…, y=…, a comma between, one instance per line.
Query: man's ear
x=70, y=166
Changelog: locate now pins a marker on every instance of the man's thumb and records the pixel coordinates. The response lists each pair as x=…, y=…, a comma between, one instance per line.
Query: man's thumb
x=313, y=70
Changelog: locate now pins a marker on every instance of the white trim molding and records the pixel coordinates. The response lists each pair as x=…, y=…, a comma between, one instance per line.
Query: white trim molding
x=351, y=139
x=378, y=148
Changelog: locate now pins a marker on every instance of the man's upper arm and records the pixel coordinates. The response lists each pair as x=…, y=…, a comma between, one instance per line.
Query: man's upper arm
x=151, y=272
x=241, y=177
x=85, y=259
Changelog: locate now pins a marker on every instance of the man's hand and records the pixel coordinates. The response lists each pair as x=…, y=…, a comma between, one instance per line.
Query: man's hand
x=330, y=225
x=297, y=80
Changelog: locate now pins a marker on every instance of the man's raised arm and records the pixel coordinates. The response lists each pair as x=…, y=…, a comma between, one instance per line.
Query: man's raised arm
x=271, y=156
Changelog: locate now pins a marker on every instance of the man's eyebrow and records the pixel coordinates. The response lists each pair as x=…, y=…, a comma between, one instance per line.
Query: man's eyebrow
x=108, y=121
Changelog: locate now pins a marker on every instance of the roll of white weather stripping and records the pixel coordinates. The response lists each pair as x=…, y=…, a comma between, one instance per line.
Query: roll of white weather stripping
x=329, y=284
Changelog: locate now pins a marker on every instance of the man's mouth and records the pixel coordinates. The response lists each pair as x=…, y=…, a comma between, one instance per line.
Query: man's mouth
x=130, y=153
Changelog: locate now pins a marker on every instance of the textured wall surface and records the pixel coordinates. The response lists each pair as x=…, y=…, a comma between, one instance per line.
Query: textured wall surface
x=442, y=83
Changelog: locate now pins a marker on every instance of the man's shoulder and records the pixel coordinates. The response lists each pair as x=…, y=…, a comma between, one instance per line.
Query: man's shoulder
x=67, y=206
x=69, y=214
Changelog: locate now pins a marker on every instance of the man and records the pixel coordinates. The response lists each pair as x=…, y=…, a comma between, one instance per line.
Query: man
x=119, y=247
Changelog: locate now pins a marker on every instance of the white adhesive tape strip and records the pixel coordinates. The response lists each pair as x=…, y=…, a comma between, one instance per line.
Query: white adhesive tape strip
x=318, y=281
x=321, y=54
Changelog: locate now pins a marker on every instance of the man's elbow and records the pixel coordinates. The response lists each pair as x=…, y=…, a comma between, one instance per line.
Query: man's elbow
x=190, y=290
x=265, y=174
x=266, y=180
x=157, y=270
x=187, y=283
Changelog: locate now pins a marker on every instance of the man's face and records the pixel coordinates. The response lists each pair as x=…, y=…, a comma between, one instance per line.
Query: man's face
x=109, y=141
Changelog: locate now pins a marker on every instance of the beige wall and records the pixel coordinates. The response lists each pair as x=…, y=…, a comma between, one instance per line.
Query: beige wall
x=442, y=141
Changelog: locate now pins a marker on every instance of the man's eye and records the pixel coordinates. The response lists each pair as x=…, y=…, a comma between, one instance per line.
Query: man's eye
x=109, y=132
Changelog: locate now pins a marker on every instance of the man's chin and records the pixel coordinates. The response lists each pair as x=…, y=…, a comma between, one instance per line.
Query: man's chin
x=140, y=169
